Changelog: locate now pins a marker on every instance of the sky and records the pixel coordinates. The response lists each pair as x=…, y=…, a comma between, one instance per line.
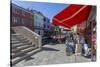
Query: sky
x=48, y=9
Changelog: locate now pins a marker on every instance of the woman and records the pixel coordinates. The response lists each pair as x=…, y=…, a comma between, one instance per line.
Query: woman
x=77, y=46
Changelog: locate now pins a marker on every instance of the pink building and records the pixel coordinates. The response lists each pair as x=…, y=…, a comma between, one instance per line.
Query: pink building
x=21, y=17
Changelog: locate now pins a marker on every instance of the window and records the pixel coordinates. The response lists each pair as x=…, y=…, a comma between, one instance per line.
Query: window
x=36, y=17
x=44, y=19
x=13, y=9
x=44, y=26
x=23, y=13
x=14, y=19
x=48, y=26
x=22, y=21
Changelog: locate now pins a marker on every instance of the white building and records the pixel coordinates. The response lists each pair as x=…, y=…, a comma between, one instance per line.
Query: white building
x=38, y=23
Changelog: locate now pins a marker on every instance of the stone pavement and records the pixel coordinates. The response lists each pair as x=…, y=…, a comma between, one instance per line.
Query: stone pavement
x=53, y=54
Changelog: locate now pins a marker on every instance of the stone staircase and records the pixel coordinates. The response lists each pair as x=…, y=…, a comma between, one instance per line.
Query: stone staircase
x=21, y=49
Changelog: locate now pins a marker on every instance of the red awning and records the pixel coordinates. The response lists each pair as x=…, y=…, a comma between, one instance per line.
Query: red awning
x=72, y=15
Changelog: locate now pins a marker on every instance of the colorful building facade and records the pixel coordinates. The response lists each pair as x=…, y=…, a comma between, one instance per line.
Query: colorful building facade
x=21, y=17
x=38, y=22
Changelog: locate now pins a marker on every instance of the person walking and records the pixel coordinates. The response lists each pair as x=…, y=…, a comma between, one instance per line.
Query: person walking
x=77, y=46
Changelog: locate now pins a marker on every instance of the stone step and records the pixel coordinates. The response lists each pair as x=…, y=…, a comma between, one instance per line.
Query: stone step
x=14, y=35
x=16, y=39
x=20, y=44
x=23, y=52
x=20, y=36
x=15, y=59
x=18, y=59
x=13, y=38
x=22, y=39
x=21, y=48
x=15, y=42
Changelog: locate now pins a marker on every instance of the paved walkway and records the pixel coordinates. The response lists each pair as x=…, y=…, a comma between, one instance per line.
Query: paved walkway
x=53, y=54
